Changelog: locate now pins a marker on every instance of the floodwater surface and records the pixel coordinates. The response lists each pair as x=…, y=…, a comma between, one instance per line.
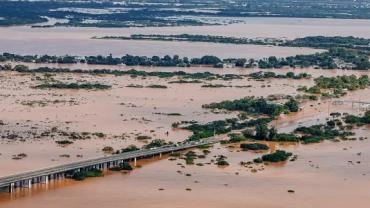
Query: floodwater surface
x=77, y=41
x=329, y=174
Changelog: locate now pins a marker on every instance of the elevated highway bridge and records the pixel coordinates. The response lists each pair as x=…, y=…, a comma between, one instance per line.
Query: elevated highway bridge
x=26, y=179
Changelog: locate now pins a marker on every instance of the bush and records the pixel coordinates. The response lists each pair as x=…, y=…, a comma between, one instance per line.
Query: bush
x=189, y=157
x=64, y=142
x=262, y=132
x=79, y=176
x=254, y=146
x=156, y=143
x=130, y=149
x=278, y=156
x=292, y=105
x=234, y=138
x=108, y=149
x=311, y=139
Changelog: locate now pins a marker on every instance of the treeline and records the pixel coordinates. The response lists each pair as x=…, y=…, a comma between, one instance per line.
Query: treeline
x=75, y=86
x=322, y=42
x=328, y=42
x=131, y=72
x=196, y=38
x=342, y=52
x=128, y=60
x=167, y=60
x=40, y=59
x=288, y=75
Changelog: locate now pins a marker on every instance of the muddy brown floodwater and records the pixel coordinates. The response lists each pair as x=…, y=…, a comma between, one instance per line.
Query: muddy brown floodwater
x=77, y=41
x=329, y=174
x=322, y=176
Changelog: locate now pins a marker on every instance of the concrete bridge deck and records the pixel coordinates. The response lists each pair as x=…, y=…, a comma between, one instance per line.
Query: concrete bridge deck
x=26, y=179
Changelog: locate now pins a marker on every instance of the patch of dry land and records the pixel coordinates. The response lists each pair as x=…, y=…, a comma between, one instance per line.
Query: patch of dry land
x=55, y=118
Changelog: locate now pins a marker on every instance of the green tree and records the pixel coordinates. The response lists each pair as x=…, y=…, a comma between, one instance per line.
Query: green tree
x=262, y=131
x=272, y=133
x=366, y=117
x=292, y=105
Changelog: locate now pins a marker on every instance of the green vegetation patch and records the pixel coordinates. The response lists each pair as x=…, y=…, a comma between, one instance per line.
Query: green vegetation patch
x=64, y=142
x=317, y=133
x=132, y=72
x=289, y=75
x=82, y=175
x=277, y=156
x=86, y=86
x=254, y=147
x=195, y=38
x=157, y=86
x=190, y=157
x=253, y=105
x=156, y=143
x=201, y=131
x=358, y=120
x=337, y=86
x=130, y=148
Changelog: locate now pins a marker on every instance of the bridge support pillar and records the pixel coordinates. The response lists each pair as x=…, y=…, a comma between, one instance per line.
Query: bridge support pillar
x=8, y=189
x=25, y=183
x=18, y=184
x=44, y=179
x=11, y=188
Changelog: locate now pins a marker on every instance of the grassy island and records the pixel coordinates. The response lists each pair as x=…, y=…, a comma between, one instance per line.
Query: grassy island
x=75, y=86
